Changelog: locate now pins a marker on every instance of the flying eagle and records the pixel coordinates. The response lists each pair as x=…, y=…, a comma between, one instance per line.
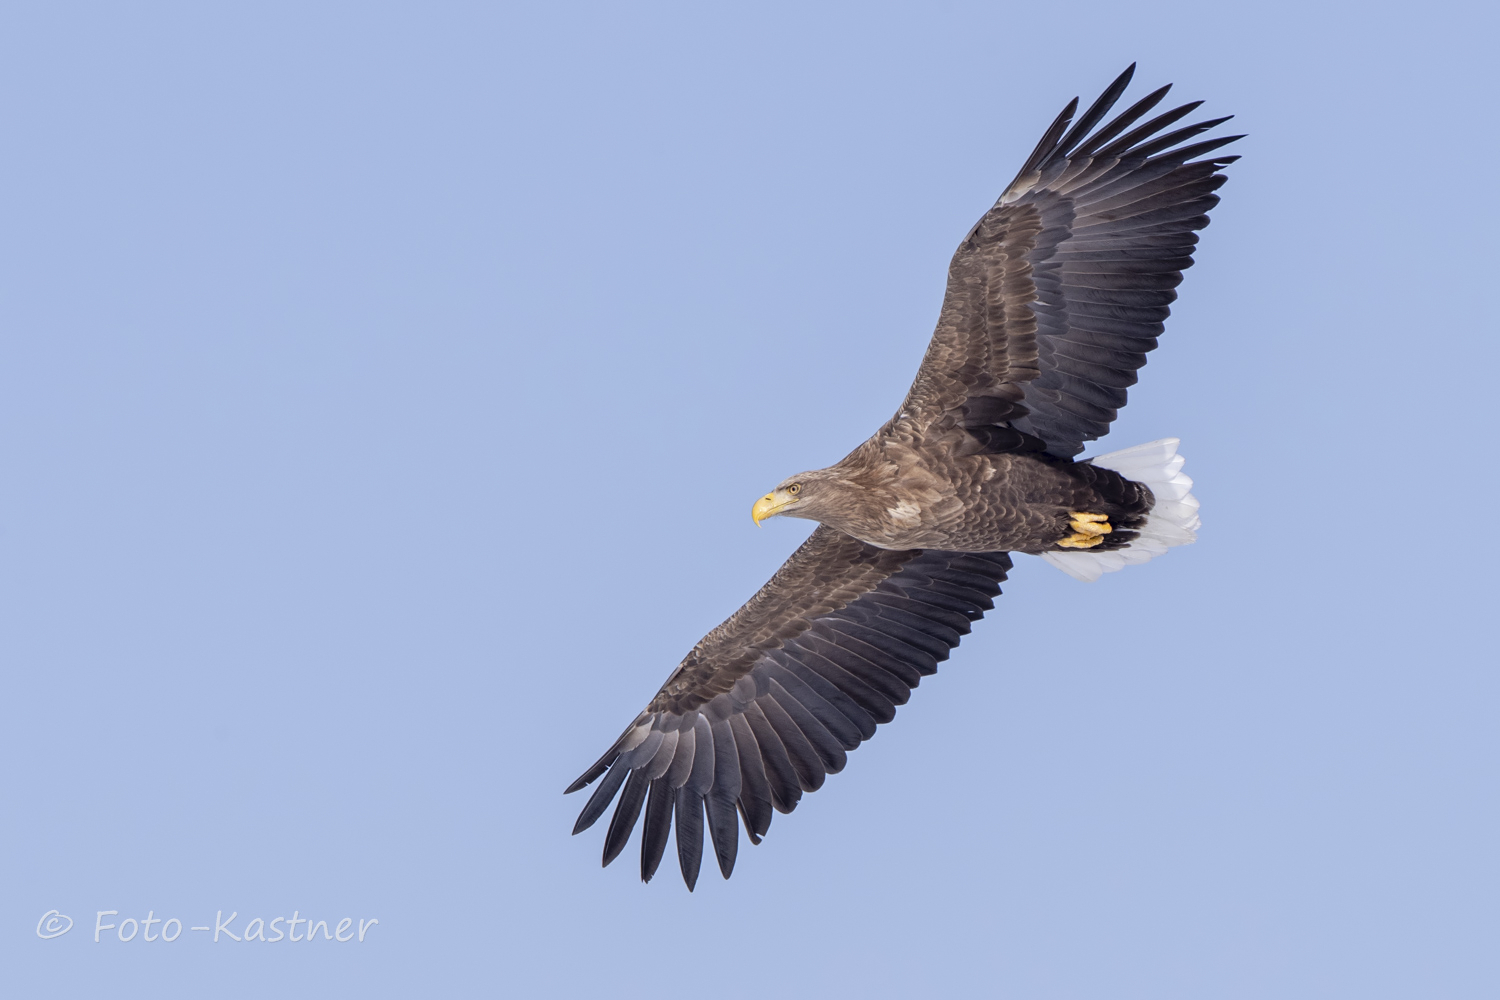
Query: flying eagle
x=1054, y=299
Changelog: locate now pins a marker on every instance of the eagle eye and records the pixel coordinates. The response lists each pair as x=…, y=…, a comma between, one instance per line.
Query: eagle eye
x=794, y=489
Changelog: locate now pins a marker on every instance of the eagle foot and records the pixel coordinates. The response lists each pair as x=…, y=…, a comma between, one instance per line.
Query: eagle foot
x=1088, y=530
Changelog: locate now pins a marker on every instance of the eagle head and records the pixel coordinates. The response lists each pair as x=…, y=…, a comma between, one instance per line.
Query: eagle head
x=815, y=496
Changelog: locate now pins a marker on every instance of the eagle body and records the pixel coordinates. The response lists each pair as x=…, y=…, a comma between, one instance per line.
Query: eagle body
x=1054, y=299
x=894, y=494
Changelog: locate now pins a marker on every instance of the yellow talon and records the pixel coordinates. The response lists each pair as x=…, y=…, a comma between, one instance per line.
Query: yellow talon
x=1088, y=530
x=1090, y=524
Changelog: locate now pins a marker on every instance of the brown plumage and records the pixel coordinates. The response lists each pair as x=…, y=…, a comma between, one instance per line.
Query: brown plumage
x=1054, y=298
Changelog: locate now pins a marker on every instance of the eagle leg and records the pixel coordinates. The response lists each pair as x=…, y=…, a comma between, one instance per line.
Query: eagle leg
x=1088, y=530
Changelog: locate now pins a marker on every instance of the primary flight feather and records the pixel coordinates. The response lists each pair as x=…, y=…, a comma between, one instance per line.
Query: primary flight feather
x=1054, y=299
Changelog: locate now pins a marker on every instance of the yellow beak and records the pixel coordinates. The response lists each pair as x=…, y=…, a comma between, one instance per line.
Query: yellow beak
x=767, y=506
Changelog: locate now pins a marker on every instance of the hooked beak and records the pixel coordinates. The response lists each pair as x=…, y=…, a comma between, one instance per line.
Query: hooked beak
x=767, y=506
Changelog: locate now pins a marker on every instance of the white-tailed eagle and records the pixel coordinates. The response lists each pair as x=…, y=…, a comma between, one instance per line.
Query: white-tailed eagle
x=1054, y=299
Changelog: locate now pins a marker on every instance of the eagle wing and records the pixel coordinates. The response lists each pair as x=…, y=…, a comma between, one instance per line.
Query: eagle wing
x=771, y=701
x=1058, y=293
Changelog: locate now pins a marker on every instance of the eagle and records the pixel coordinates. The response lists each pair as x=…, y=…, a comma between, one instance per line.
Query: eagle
x=1053, y=301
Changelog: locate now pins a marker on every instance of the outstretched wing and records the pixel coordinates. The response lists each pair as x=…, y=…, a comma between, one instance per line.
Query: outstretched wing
x=1057, y=294
x=771, y=701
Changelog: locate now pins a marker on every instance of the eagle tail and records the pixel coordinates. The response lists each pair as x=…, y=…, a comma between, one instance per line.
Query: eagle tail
x=1172, y=521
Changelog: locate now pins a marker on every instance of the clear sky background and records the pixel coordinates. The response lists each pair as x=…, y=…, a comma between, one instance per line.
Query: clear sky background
x=384, y=389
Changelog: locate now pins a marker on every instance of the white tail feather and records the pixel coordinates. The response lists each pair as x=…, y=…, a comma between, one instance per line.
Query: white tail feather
x=1173, y=521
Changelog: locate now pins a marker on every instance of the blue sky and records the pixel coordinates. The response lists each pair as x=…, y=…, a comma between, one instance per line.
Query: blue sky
x=383, y=390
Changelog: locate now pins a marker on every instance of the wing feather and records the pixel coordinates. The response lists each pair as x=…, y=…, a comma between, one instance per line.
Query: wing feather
x=781, y=773
x=600, y=800
x=666, y=753
x=689, y=818
x=876, y=677
x=755, y=789
x=831, y=756
x=643, y=751
x=838, y=725
x=799, y=750
x=723, y=827
x=682, y=760
x=701, y=778
x=626, y=813
x=655, y=827
x=1128, y=118
x=863, y=721
x=868, y=699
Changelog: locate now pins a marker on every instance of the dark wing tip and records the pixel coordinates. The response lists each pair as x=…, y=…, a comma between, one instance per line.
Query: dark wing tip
x=1049, y=140
x=1129, y=140
x=607, y=761
x=1166, y=142
x=1061, y=142
x=600, y=800
x=1123, y=121
x=1185, y=153
x=588, y=777
x=627, y=811
x=584, y=780
x=1093, y=115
